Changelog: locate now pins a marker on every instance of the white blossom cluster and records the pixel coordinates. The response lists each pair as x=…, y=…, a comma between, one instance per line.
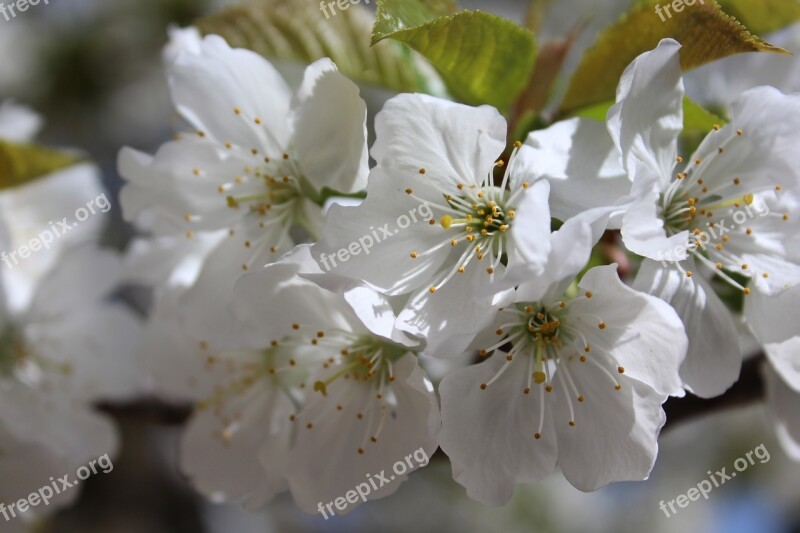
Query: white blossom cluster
x=301, y=291
x=305, y=344
x=64, y=343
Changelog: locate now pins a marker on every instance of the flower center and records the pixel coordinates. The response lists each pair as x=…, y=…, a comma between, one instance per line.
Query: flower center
x=476, y=220
x=717, y=211
x=367, y=359
x=552, y=339
x=18, y=361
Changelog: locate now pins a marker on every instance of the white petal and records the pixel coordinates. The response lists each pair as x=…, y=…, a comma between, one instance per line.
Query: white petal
x=785, y=359
x=765, y=153
x=209, y=86
x=181, y=39
x=83, y=278
x=615, y=437
x=183, y=177
x=643, y=334
x=450, y=319
x=206, y=305
x=644, y=234
x=571, y=247
x=270, y=301
x=174, y=364
x=581, y=162
x=782, y=403
x=768, y=315
x=34, y=212
x=55, y=421
x=489, y=434
x=328, y=106
x=714, y=358
x=24, y=468
x=366, y=242
x=530, y=232
x=18, y=123
x=374, y=309
x=173, y=261
x=222, y=458
x=648, y=116
x=450, y=141
x=99, y=347
x=407, y=431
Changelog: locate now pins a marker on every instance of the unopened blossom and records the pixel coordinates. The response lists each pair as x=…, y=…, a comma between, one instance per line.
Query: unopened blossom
x=575, y=378
x=255, y=163
x=444, y=157
x=323, y=392
x=716, y=213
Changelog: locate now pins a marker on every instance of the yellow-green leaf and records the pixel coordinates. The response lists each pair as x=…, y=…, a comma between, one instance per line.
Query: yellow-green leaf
x=298, y=30
x=704, y=30
x=696, y=118
x=763, y=16
x=21, y=163
x=482, y=58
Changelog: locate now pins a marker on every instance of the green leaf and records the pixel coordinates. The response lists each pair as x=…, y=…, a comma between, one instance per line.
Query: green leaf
x=482, y=58
x=442, y=7
x=696, y=118
x=596, y=112
x=22, y=163
x=763, y=16
x=297, y=30
x=706, y=32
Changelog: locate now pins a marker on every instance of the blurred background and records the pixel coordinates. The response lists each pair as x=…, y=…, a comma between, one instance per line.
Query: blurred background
x=93, y=69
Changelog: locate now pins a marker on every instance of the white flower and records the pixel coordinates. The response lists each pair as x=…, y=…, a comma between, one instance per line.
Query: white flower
x=442, y=156
x=68, y=349
x=577, y=378
x=256, y=164
x=324, y=392
x=30, y=209
x=714, y=212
